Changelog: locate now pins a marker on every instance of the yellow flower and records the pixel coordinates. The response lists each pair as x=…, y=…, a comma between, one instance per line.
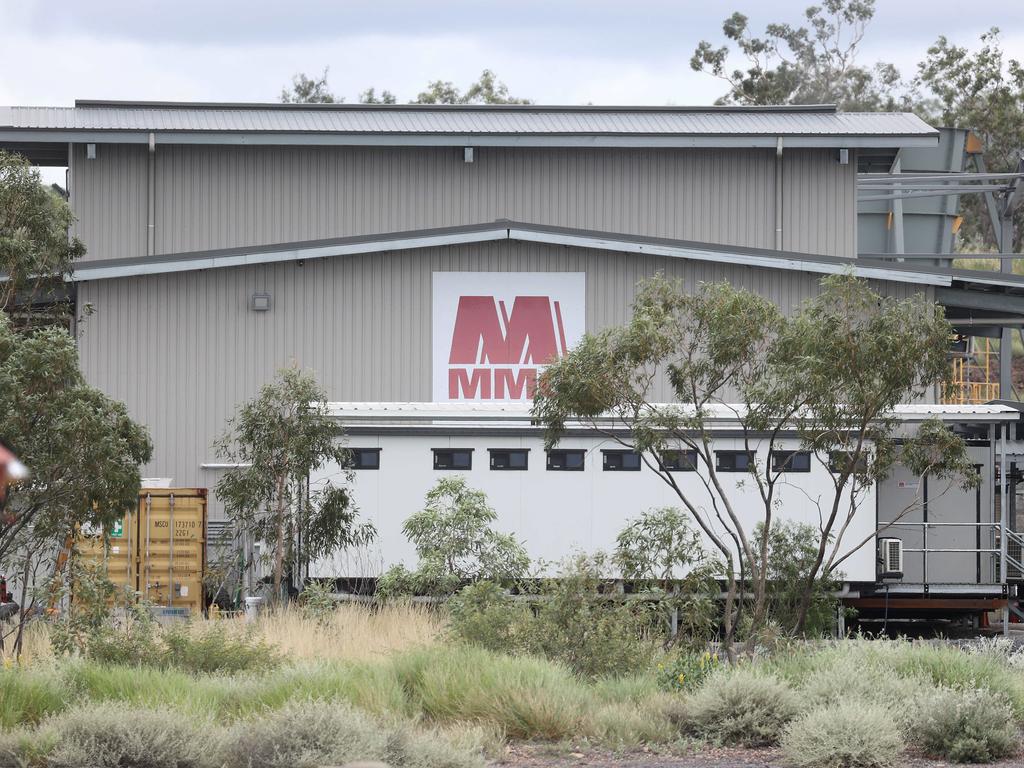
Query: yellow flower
x=682, y=677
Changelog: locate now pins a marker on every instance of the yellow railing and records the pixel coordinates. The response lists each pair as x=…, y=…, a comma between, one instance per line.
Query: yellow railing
x=975, y=374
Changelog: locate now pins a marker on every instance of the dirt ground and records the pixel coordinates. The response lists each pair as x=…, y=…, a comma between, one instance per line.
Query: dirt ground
x=549, y=756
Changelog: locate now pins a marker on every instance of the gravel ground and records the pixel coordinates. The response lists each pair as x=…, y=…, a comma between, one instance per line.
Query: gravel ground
x=548, y=756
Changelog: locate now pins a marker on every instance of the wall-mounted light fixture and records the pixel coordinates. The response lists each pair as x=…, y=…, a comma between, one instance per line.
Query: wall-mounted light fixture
x=467, y=154
x=90, y=151
x=844, y=157
x=260, y=302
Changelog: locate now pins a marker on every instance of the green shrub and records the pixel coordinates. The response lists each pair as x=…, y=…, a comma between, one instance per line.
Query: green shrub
x=485, y=615
x=950, y=667
x=850, y=734
x=686, y=671
x=317, y=601
x=573, y=621
x=968, y=726
x=102, y=735
x=847, y=678
x=214, y=649
x=742, y=707
x=313, y=734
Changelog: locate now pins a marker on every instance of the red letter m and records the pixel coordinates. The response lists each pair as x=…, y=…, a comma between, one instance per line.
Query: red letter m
x=527, y=336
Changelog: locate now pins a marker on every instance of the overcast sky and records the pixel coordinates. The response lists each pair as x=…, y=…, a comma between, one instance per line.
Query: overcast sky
x=555, y=52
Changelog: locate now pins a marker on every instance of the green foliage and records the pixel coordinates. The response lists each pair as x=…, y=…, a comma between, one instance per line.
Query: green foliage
x=82, y=449
x=834, y=370
x=661, y=549
x=742, y=707
x=574, y=620
x=982, y=90
x=455, y=544
x=309, y=90
x=313, y=734
x=102, y=622
x=792, y=551
x=527, y=698
x=113, y=735
x=488, y=89
x=851, y=734
x=26, y=698
x=35, y=251
x=813, y=64
x=214, y=649
x=968, y=726
x=277, y=440
x=317, y=601
x=687, y=671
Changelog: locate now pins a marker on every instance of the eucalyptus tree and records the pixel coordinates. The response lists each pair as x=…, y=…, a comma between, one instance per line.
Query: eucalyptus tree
x=82, y=449
x=275, y=442
x=832, y=374
x=36, y=254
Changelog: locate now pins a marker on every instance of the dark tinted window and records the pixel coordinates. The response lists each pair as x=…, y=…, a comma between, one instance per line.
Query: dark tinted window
x=364, y=458
x=791, y=461
x=679, y=461
x=838, y=461
x=567, y=460
x=621, y=461
x=509, y=458
x=453, y=458
x=733, y=461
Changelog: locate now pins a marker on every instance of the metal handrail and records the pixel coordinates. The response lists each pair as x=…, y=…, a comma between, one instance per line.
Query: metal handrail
x=924, y=549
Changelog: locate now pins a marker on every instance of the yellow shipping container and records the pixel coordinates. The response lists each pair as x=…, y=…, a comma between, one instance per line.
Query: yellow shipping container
x=164, y=568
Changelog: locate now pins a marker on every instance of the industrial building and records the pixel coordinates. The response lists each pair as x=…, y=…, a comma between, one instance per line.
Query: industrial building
x=407, y=253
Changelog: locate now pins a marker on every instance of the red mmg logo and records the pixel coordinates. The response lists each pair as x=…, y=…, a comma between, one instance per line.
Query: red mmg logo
x=496, y=355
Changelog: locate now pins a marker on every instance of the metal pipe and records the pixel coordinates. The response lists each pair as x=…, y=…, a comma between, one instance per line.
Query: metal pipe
x=871, y=178
x=778, y=194
x=151, y=199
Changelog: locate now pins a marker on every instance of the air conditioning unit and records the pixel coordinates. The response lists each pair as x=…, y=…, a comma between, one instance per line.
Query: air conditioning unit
x=890, y=558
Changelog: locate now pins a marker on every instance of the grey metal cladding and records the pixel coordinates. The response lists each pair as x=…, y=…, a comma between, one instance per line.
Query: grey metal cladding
x=468, y=121
x=210, y=198
x=182, y=349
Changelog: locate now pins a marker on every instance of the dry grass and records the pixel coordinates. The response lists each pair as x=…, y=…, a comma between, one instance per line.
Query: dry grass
x=352, y=633
x=35, y=646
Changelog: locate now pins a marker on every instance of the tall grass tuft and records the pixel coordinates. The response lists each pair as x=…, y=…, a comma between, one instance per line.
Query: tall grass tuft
x=352, y=632
x=29, y=695
x=529, y=698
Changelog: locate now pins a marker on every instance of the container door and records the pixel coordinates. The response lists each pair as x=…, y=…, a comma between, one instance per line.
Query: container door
x=172, y=547
x=119, y=558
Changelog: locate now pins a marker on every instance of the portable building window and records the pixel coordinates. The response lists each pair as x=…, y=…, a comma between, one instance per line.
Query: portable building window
x=509, y=458
x=734, y=461
x=679, y=461
x=364, y=458
x=791, y=461
x=841, y=460
x=621, y=461
x=453, y=458
x=566, y=460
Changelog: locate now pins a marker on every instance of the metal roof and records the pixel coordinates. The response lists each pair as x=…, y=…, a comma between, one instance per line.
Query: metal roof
x=530, y=125
x=952, y=281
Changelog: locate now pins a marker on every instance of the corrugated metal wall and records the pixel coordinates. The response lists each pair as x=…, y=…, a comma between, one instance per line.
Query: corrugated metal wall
x=183, y=349
x=227, y=196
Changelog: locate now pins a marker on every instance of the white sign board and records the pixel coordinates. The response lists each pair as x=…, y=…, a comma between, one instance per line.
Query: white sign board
x=494, y=331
